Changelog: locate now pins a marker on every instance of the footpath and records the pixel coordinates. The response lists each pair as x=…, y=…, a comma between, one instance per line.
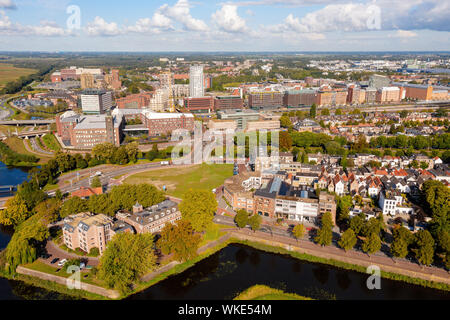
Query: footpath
x=352, y=257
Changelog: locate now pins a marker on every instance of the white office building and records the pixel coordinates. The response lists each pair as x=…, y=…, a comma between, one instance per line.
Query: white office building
x=196, y=82
x=96, y=101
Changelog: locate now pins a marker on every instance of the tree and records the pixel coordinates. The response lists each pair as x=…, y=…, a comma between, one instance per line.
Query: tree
x=127, y=258
x=399, y=248
x=299, y=231
x=285, y=141
x=255, y=222
x=16, y=212
x=96, y=183
x=132, y=150
x=104, y=152
x=313, y=111
x=285, y=122
x=73, y=205
x=199, y=207
x=242, y=218
x=372, y=244
x=325, y=112
x=179, y=240
x=357, y=223
x=424, y=251
x=325, y=233
x=348, y=240
x=50, y=208
x=22, y=247
x=154, y=153
x=436, y=198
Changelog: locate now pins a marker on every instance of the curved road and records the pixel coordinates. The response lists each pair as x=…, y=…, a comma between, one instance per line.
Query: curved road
x=74, y=181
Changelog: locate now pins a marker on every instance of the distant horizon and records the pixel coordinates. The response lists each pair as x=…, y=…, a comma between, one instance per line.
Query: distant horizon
x=224, y=26
x=237, y=52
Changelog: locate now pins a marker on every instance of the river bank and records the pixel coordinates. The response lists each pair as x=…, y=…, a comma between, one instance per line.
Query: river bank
x=177, y=271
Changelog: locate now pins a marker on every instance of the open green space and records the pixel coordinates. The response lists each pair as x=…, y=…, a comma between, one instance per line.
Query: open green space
x=261, y=292
x=17, y=145
x=179, y=180
x=10, y=73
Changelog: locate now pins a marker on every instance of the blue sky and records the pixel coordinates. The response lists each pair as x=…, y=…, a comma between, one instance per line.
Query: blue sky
x=226, y=25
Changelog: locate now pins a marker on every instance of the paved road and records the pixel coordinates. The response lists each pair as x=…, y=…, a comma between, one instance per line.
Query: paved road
x=74, y=181
x=271, y=231
x=37, y=148
x=56, y=252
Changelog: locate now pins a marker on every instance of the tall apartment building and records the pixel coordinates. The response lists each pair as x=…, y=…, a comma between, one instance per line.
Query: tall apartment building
x=180, y=91
x=196, y=82
x=86, y=131
x=116, y=84
x=265, y=100
x=96, y=101
x=87, y=81
x=166, y=79
x=160, y=100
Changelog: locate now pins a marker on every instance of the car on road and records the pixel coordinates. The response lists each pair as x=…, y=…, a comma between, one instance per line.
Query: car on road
x=54, y=261
x=62, y=262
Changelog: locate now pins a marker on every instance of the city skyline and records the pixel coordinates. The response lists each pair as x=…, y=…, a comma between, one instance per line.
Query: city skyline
x=214, y=26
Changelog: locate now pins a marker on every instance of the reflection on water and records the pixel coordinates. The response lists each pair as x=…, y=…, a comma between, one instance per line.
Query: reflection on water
x=234, y=269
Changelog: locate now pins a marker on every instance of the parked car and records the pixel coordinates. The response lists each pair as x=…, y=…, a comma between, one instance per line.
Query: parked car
x=82, y=266
x=62, y=262
x=54, y=261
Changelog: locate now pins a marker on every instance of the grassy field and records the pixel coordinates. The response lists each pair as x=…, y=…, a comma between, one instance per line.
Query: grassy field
x=18, y=146
x=179, y=180
x=10, y=73
x=51, y=142
x=260, y=292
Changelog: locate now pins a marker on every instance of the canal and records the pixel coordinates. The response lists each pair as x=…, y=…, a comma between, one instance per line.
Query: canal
x=234, y=269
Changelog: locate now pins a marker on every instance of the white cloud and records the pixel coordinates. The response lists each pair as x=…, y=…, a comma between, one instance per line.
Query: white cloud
x=5, y=23
x=7, y=4
x=99, y=27
x=180, y=12
x=157, y=24
x=46, y=28
x=351, y=17
x=228, y=20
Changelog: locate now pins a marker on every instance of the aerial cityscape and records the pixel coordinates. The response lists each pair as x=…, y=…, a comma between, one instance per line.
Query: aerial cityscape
x=211, y=151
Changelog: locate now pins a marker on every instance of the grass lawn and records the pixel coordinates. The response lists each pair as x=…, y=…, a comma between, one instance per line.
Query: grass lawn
x=10, y=73
x=212, y=234
x=179, y=180
x=18, y=146
x=51, y=142
x=260, y=292
x=42, y=267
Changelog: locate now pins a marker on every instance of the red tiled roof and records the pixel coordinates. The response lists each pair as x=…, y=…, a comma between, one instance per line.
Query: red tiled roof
x=87, y=192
